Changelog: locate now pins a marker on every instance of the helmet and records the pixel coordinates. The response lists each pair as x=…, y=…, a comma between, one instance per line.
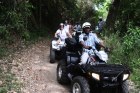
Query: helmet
x=86, y=24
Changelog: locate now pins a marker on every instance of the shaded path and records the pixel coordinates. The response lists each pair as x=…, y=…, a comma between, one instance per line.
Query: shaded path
x=35, y=71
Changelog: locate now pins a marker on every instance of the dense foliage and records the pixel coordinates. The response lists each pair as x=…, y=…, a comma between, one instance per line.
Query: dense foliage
x=21, y=18
x=29, y=19
x=126, y=51
x=122, y=14
x=14, y=19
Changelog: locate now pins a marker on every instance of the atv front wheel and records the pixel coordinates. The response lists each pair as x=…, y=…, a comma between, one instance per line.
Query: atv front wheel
x=124, y=87
x=52, y=56
x=80, y=85
x=62, y=72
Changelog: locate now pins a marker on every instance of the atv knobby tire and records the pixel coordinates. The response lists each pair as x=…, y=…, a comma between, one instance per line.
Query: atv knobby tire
x=80, y=85
x=52, y=55
x=124, y=87
x=62, y=76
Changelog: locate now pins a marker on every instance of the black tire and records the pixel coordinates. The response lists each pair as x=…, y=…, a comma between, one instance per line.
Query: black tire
x=62, y=76
x=80, y=85
x=124, y=87
x=52, y=55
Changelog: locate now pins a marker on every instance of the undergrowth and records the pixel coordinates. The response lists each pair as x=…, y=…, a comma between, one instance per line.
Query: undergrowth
x=126, y=50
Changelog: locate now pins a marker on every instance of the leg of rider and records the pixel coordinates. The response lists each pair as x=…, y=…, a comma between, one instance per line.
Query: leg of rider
x=84, y=58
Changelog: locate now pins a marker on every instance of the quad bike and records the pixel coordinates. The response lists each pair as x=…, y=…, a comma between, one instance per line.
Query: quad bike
x=56, y=49
x=96, y=76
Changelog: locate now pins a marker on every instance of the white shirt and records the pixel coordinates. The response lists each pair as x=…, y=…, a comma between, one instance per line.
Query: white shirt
x=77, y=27
x=62, y=33
x=66, y=27
x=92, y=39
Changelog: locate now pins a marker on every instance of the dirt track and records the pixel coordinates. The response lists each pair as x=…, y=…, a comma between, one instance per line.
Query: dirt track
x=32, y=68
x=35, y=71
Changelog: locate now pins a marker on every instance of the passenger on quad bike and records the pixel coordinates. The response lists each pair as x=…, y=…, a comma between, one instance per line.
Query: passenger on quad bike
x=66, y=25
x=77, y=30
x=88, y=41
x=57, y=49
x=62, y=33
x=77, y=27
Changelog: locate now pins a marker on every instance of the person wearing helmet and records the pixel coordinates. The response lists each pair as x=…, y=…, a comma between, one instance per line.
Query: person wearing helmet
x=62, y=33
x=88, y=41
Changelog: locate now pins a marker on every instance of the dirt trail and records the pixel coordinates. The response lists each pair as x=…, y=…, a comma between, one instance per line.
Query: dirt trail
x=35, y=71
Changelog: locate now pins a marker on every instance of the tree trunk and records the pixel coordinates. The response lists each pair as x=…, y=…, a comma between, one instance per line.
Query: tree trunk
x=112, y=15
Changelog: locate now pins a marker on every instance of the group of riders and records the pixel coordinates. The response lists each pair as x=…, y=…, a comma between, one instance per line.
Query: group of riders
x=87, y=39
x=83, y=60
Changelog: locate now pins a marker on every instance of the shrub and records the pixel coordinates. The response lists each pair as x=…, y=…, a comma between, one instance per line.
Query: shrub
x=126, y=51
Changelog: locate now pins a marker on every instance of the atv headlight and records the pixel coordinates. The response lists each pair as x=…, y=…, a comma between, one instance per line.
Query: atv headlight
x=96, y=76
x=125, y=76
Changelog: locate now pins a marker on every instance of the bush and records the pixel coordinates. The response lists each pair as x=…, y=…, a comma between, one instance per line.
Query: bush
x=114, y=43
x=132, y=40
x=126, y=51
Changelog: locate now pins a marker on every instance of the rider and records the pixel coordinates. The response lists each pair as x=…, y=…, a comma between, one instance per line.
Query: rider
x=101, y=24
x=88, y=41
x=77, y=26
x=62, y=33
x=66, y=25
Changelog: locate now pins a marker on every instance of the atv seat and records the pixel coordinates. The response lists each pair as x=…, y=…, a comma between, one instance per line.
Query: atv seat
x=72, y=57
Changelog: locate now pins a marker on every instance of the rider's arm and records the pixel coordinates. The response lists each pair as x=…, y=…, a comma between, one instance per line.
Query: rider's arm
x=68, y=34
x=101, y=44
x=97, y=40
x=56, y=33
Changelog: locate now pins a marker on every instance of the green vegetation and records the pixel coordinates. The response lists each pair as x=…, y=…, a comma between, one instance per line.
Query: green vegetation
x=126, y=51
x=124, y=35
x=25, y=21
x=9, y=83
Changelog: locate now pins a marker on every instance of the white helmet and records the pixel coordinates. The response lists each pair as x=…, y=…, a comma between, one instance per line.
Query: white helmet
x=86, y=24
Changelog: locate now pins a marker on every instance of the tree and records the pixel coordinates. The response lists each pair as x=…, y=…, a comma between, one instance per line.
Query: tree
x=112, y=15
x=122, y=14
